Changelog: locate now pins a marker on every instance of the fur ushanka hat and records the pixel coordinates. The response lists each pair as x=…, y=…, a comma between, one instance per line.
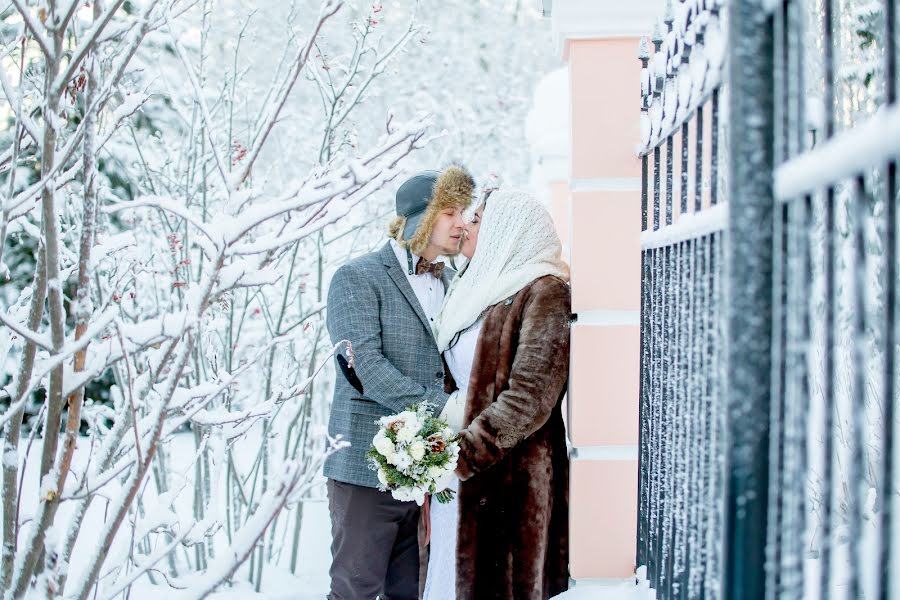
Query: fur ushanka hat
x=422, y=198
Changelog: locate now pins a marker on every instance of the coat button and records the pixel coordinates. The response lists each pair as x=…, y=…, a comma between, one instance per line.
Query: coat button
x=439, y=374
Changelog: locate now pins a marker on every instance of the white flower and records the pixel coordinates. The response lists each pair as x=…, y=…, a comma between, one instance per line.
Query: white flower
x=403, y=494
x=407, y=433
x=410, y=494
x=382, y=477
x=417, y=450
x=407, y=417
x=443, y=482
x=384, y=445
x=435, y=473
x=402, y=460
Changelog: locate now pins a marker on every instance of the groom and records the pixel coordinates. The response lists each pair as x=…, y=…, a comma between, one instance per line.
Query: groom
x=385, y=303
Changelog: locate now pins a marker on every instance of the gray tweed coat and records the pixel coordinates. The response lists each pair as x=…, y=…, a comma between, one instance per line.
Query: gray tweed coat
x=371, y=303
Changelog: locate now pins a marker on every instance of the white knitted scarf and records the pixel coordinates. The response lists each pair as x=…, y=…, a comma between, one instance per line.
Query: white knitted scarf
x=517, y=243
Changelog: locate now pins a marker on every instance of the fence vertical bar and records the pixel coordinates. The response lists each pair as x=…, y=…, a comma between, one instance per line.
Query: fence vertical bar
x=656, y=187
x=857, y=465
x=749, y=293
x=714, y=150
x=685, y=135
x=666, y=490
x=717, y=318
x=670, y=164
x=775, y=531
x=640, y=551
x=891, y=275
x=830, y=297
x=655, y=419
x=779, y=363
x=698, y=169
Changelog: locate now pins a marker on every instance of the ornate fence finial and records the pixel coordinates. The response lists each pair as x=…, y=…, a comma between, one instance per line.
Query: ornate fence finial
x=659, y=59
x=644, y=57
x=644, y=49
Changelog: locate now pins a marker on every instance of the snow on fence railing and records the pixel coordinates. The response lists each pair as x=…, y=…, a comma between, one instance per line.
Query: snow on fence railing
x=780, y=483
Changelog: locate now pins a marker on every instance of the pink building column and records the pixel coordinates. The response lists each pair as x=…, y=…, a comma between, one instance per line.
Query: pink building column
x=599, y=42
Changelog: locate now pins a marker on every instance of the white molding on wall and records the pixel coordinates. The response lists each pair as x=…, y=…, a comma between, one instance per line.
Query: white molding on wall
x=606, y=184
x=623, y=452
x=608, y=317
x=602, y=19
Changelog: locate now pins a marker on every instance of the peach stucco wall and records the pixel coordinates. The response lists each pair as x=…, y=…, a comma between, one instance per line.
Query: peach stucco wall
x=603, y=405
x=604, y=520
x=605, y=91
x=604, y=218
x=606, y=251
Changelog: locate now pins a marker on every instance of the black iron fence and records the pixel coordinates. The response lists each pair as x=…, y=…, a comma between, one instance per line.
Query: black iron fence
x=768, y=306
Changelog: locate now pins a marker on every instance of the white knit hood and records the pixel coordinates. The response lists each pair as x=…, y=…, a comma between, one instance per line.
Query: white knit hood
x=517, y=243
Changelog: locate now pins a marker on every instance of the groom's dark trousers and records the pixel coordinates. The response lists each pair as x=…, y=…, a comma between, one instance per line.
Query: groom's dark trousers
x=372, y=304
x=374, y=544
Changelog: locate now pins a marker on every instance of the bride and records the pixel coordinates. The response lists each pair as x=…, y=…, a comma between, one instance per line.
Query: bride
x=504, y=332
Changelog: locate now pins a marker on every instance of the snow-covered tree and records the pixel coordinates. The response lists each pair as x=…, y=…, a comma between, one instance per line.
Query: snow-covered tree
x=186, y=284
x=178, y=178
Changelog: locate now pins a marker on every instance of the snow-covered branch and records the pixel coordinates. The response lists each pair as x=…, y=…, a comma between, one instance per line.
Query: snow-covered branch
x=15, y=103
x=34, y=28
x=41, y=340
x=328, y=10
x=85, y=45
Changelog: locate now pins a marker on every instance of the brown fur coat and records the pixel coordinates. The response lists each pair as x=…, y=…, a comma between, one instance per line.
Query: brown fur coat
x=513, y=532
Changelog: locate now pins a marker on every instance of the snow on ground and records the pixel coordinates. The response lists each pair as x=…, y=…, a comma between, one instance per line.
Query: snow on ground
x=310, y=582
x=624, y=590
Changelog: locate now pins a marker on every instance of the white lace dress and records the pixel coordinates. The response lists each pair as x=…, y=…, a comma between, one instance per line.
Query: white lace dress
x=440, y=583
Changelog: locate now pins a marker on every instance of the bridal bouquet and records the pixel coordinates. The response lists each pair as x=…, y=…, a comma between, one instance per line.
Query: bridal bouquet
x=414, y=454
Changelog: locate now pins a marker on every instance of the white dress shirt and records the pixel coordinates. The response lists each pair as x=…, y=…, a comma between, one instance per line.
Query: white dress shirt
x=429, y=290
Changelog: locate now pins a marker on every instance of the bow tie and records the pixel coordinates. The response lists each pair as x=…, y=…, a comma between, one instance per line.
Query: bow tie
x=423, y=266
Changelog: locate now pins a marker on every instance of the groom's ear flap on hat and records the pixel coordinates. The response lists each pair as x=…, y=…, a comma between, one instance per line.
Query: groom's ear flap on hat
x=421, y=199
